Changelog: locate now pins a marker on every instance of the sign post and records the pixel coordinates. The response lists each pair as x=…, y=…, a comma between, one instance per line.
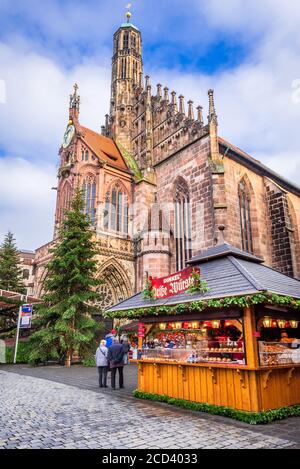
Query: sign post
x=24, y=322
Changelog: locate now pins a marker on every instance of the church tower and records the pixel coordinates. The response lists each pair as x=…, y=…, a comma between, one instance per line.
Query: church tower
x=127, y=77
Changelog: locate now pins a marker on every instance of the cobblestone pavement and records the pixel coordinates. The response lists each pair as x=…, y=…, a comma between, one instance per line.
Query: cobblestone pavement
x=36, y=413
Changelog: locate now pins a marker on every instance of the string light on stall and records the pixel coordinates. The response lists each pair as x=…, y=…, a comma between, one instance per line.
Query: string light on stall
x=216, y=324
x=281, y=323
x=294, y=324
x=267, y=322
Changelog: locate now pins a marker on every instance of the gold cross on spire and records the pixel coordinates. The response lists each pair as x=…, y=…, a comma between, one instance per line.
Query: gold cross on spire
x=128, y=13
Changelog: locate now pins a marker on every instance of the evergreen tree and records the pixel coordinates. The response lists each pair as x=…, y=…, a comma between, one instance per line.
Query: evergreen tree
x=64, y=319
x=10, y=272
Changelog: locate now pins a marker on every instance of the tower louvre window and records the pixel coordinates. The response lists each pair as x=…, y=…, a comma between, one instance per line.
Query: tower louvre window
x=126, y=40
x=245, y=217
x=133, y=41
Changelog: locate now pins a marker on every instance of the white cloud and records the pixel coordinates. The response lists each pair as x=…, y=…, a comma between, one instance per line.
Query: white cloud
x=32, y=123
x=27, y=203
x=33, y=119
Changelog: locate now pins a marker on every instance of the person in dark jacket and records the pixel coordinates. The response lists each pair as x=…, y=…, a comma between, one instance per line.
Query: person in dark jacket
x=115, y=358
x=126, y=348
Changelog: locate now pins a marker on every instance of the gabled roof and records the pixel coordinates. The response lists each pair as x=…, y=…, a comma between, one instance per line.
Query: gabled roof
x=13, y=296
x=224, y=250
x=228, y=271
x=103, y=147
x=236, y=153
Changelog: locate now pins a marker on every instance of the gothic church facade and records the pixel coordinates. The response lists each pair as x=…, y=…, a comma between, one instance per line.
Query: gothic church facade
x=161, y=186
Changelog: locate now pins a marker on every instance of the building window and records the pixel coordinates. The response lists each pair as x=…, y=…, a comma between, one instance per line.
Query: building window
x=135, y=72
x=116, y=210
x=82, y=155
x=245, y=217
x=86, y=155
x=182, y=215
x=89, y=197
x=26, y=274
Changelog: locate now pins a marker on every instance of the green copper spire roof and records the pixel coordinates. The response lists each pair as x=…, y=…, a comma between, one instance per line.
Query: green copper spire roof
x=129, y=25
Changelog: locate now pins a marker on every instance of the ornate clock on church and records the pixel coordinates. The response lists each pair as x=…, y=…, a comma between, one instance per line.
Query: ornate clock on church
x=69, y=134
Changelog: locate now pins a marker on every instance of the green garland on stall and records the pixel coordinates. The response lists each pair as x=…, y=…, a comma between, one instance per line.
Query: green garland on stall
x=252, y=418
x=198, y=285
x=148, y=292
x=199, y=306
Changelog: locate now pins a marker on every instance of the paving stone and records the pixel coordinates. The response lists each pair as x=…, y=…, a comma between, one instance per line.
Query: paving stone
x=58, y=421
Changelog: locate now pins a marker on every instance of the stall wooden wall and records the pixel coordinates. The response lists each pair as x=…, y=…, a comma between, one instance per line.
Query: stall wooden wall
x=242, y=389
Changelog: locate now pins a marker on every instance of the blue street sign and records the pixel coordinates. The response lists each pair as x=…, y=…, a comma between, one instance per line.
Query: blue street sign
x=27, y=309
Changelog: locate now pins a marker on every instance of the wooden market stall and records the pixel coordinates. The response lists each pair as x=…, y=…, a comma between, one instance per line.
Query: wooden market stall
x=237, y=344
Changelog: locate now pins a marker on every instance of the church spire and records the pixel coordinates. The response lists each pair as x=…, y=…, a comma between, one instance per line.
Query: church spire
x=74, y=106
x=127, y=76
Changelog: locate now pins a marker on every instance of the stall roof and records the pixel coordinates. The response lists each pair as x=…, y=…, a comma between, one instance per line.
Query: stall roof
x=14, y=296
x=228, y=271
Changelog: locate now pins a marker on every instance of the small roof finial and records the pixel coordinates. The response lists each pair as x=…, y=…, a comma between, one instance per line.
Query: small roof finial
x=128, y=13
x=220, y=235
x=212, y=116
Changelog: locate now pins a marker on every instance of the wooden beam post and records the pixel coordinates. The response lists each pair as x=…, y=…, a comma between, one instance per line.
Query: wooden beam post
x=250, y=339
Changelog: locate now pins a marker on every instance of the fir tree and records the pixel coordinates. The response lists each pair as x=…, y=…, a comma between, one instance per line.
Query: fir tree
x=64, y=319
x=10, y=272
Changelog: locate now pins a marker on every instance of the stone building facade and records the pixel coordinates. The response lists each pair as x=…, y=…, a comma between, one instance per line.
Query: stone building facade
x=159, y=182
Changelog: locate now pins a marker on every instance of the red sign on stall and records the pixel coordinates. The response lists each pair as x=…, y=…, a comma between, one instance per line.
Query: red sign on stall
x=141, y=330
x=173, y=284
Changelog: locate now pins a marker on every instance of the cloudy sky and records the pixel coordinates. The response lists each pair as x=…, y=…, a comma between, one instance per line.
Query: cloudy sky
x=247, y=50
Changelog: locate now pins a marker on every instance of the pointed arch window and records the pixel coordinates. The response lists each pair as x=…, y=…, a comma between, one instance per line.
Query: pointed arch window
x=89, y=197
x=182, y=215
x=245, y=217
x=116, y=210
x=66, y=199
